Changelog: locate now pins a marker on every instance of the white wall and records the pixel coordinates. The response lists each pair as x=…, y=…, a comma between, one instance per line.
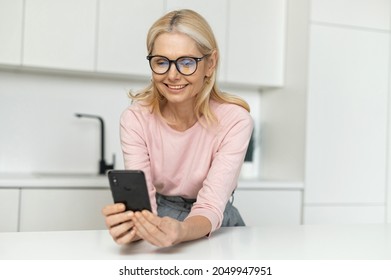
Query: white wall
x=40, y=132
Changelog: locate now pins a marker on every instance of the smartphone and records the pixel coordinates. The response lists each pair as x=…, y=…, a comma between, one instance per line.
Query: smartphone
x=130, y=188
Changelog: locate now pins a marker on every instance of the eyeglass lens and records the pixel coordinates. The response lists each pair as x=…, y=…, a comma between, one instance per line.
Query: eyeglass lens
x=161, y=64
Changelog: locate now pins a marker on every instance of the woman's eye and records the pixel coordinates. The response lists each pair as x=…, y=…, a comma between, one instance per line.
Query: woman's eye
x=161, y=62
x=187, y=62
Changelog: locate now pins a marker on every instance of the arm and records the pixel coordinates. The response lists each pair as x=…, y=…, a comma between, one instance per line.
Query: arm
x=134, y=147
x=222, y=178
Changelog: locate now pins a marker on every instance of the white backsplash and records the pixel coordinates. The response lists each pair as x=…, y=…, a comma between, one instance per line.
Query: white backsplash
x=39, y=130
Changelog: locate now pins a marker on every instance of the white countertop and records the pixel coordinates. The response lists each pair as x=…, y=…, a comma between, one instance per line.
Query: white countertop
x=326, y=242
x=52, y=180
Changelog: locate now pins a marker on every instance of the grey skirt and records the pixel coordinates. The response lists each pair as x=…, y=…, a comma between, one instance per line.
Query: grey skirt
x=178, y=208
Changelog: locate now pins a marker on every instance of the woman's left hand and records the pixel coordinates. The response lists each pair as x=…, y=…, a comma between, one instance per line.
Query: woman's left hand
x=161, y=232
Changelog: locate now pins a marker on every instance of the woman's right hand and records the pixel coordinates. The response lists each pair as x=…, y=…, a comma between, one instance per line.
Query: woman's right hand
x=120, y=224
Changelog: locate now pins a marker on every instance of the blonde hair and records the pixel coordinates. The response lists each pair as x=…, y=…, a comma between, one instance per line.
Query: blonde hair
x=196, y=27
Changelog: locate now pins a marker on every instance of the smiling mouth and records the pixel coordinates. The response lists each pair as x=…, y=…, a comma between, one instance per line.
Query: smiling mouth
x=176, y=87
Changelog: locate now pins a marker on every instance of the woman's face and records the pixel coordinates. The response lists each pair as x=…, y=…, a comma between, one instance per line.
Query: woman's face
x=175, y=87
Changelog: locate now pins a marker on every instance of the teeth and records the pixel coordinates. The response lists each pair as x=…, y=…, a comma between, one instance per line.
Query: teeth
x=176, y=87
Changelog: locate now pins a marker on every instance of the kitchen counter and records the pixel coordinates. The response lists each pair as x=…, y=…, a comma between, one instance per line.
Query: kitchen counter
x=54, y=180
x=321, y=242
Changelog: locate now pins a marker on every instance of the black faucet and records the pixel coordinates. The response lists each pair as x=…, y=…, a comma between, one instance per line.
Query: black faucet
x=103, y=167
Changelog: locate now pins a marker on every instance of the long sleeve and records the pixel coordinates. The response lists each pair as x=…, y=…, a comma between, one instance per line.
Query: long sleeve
x=201, y=162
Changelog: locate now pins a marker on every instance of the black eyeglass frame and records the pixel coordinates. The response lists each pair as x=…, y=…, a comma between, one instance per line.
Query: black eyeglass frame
x=197, y=59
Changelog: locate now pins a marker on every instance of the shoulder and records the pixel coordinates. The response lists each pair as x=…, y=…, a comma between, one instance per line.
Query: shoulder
x=136, y=111
x=230, y=113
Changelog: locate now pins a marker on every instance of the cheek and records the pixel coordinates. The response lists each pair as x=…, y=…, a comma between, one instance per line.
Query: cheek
x=157, y=78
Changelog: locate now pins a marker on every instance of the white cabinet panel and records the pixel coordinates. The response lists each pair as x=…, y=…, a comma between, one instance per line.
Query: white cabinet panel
x=269, y=207
x=389, y=205
x=60, y=34
x=9, y=209
x=63, y=209
x=343, y=214
x=11, y=18
x=256, y=42
x=218, y=23
x=347, y=116
x=363, y=13
x=123, y=27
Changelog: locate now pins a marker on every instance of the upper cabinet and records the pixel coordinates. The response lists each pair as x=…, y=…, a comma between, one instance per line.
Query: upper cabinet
x=122, y=32
x=11, y=20
x=60, y=34
x=368, y=13
x=256, y=42
x=110, y=36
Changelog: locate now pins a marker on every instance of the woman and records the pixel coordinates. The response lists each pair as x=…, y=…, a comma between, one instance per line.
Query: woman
x=187, y=136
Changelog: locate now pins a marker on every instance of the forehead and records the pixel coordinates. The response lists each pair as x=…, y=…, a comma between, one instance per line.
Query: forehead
x=175, y=44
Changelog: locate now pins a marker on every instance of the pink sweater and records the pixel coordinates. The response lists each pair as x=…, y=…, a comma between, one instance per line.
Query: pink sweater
x=202, y=163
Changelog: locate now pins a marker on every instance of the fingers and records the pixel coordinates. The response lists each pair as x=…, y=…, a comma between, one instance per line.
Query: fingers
x=113, y=209
x=116, y=219
x=147, y=229
x=124, y=233
x=119, y=223
x=161, y=232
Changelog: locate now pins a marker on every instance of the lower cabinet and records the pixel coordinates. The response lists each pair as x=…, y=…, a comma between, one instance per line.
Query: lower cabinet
x=63, y=209
x=9, y=209
x=51, y=209
x=269, y=207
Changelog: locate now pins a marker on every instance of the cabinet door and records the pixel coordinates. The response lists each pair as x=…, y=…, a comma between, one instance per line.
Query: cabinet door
x=9, y=209
x=364, y=13
x=347, y=117
x=60, y=34
x=269, y=207
x=122, y=32
x=11, y=13
x=343, y=214
x=218, y=23
x=63, y=209
x=256, y=42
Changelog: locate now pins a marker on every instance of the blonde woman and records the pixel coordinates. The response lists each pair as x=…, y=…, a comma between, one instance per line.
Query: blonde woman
x=187, y=136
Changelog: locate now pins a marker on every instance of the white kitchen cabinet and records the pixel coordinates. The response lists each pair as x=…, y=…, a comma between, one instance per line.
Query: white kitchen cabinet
x=63, y=209
x=347, y=113
x=11, y=19
x=363, y=13
x=343, y=214
x=122, y=31
x=269, y=207
x=60, y=34
x=218, y=23
x=9, y=209
x=388, y=213
x=256, y=42
x=347, y=116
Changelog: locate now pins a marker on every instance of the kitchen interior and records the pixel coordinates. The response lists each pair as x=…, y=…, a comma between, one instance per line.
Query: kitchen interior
x=316, y=74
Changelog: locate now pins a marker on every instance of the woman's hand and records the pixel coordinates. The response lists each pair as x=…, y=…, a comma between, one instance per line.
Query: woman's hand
x=161, y=232
x=120, y=223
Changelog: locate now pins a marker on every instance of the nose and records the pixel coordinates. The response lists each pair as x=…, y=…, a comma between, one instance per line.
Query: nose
x=173, y=72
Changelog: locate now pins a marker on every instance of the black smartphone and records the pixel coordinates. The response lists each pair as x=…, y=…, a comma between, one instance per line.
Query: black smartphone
x=130, y=188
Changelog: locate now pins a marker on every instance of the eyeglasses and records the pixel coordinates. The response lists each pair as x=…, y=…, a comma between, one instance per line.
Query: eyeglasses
x=185, y=65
